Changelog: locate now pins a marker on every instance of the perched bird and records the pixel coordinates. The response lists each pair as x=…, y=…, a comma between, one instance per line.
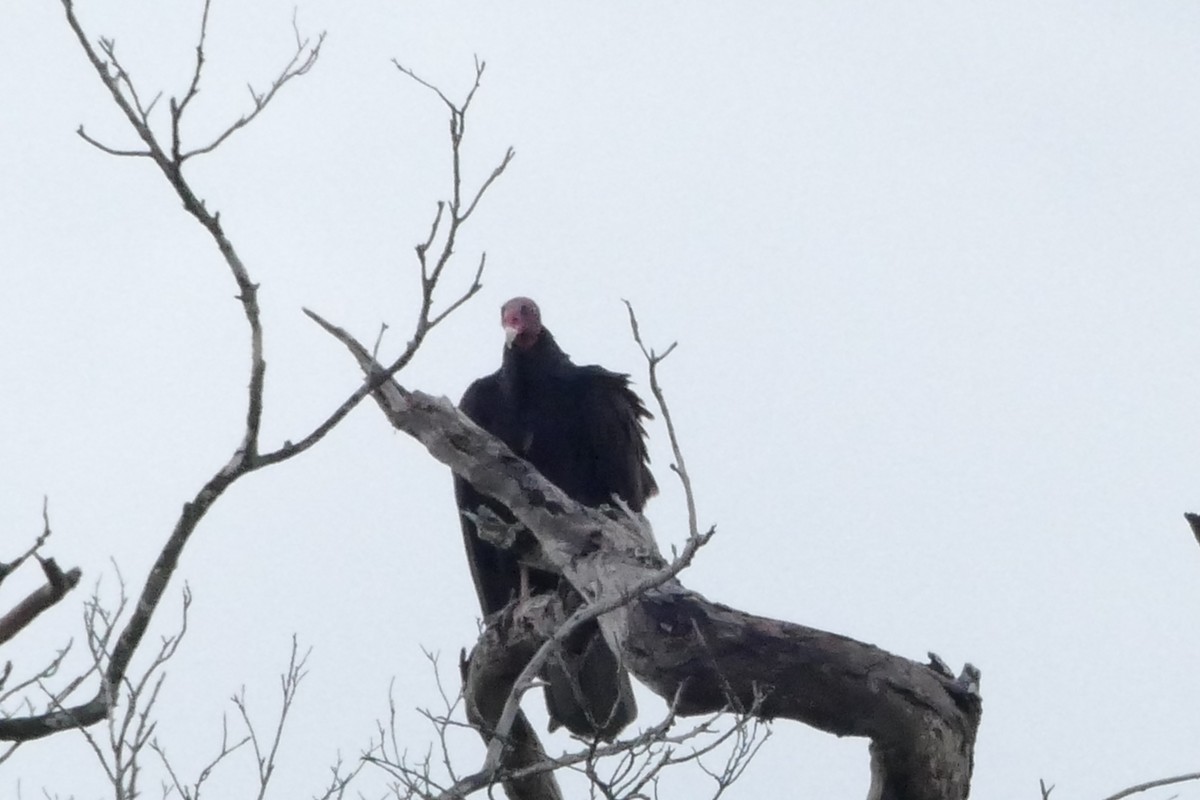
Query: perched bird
x=581, y=427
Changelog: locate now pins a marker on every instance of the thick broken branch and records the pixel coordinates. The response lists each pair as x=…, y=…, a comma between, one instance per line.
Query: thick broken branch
x=58, y=583
x=922, y=723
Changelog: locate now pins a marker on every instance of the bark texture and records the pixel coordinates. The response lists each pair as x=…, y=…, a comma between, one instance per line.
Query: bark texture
x=921, y=720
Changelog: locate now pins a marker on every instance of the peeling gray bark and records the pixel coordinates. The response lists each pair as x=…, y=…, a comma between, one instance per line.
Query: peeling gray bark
x=921, y=720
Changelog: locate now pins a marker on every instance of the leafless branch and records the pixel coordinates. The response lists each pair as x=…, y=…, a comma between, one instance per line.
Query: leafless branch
x=129, y=732
x=340, y=779
x=194, y=86
x=7, y=568
x=58, y=583
x=44, y=673
x=679, y=467
x=265, y=753
x=621, y=769
x=193, y=792
x=457, y=215
x=454, y=109
x=112, y=151
x=442, y=723
x=434, y=255
x=301, y=62
x=483, y=187
x=1142, y=787
x=124, y=82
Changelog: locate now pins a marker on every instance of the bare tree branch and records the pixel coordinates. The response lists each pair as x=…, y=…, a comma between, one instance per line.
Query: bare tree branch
x=226, y=750
x=289, y=682
x=302, y=61
x=619, y=769
x=679, y=467
x=58, y=583
x=1142, y=787
x=112, y=151
x=194, y=86
x=129, y=732
x=430, y=278
x=10, y=567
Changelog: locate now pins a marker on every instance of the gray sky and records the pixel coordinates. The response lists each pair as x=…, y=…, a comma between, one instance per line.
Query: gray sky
x=933, y=271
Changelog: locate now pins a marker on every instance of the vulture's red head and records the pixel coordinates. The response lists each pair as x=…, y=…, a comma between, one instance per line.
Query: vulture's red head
x=522, y=322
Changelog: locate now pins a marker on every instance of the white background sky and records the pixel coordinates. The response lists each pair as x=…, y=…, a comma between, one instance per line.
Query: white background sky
x=934, y=272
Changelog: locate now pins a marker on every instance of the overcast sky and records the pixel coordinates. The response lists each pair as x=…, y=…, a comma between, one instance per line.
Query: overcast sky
x=934, y=269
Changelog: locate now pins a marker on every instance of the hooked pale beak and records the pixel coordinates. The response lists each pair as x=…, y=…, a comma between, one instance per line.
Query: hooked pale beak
x=510, y=334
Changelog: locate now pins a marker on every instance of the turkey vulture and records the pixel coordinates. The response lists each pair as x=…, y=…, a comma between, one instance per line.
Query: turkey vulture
x=581, y=427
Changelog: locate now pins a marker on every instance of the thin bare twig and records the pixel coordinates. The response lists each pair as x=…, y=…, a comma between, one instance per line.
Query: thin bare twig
x=58, y=584
x=448, y=214
x=302, y=61
x=679, y=467
x=265, y=753
x=226, y=749
x=8, y=568
x=112, y=151
x=635, y=762
x=340, y=781
x=194, y=86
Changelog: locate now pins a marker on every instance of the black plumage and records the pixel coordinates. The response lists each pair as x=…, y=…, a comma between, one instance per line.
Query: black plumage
x=581, y=427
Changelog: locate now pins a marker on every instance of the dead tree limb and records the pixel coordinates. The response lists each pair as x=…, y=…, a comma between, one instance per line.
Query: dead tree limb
x=921, y=721
x=58, y=583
